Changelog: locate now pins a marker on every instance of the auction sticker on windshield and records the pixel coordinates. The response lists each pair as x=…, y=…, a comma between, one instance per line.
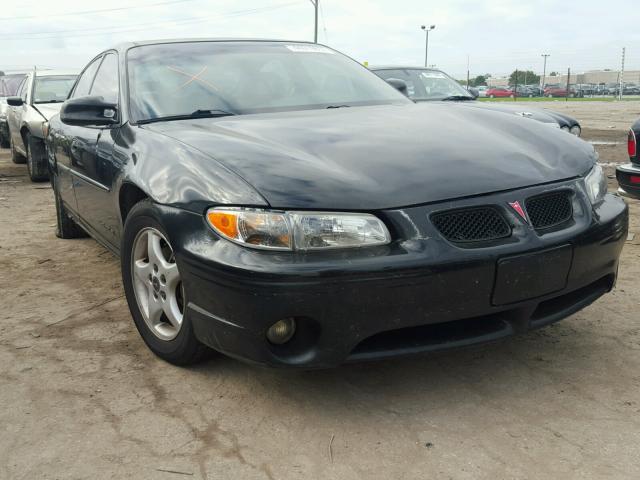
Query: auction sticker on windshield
x=309, y=49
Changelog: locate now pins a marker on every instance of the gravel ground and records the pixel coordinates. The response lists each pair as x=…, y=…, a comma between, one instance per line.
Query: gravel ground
x=82, y=397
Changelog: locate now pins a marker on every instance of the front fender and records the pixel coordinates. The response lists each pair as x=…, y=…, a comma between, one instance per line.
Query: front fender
x=173, y=173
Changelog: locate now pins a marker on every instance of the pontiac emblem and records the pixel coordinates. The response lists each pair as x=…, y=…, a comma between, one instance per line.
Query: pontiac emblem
x=518, y=208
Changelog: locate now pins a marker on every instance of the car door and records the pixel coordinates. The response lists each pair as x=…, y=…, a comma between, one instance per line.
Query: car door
x=15, y=116
x=69, y=140
x=94, y=173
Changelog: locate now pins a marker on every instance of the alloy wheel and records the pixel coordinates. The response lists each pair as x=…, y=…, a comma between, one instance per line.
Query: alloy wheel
x=157, y=284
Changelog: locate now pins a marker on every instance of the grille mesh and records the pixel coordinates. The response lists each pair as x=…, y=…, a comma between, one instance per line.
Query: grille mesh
x=549, y=210
x=472, y=224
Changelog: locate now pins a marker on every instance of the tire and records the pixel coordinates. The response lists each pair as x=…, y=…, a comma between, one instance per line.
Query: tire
x=15, y=156
x=549, y=96
x=66, y=227
x=37, y=164
x=4, y=142
x=492, y=96
x=172, y=340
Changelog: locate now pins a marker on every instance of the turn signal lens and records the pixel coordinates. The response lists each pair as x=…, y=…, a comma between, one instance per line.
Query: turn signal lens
x=298, y=230
x=256, y=228
x=632, y=144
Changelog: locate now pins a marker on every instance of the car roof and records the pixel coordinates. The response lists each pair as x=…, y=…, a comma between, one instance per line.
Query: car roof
x=402, y=67
x=54, y=73
x=122, y=47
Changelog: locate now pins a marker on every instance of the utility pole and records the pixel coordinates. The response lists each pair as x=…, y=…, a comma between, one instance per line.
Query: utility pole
x=544, y=70
x=566, y=98
x=315, y=4
x=621, y=84
x=515, y=86
x=467, y=72
x=426, y=47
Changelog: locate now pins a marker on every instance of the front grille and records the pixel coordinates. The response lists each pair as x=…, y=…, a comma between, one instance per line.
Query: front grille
x=550, y=209
x=471, y=224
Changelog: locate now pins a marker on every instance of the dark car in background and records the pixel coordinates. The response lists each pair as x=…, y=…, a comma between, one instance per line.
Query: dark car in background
x=432, y=85
x=628, y=175
x=279, y=203
x=9, y=85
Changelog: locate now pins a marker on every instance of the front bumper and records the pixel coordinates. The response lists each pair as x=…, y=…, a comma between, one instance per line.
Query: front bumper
x=418, y=294
x=628, y=177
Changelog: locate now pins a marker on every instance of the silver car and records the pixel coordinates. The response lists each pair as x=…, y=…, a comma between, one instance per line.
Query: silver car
x=39, y=97
x=9, y=85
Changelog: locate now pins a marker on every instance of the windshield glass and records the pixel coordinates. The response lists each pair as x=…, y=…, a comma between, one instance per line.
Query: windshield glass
x=424, y=84
x=52, y=89
x=9, y=85
x=247, y=77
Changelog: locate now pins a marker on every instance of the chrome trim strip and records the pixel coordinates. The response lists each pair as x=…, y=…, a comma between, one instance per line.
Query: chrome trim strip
x=90, y=180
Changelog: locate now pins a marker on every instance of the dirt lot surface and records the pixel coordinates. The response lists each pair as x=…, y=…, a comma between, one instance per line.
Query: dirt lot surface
x=81, y=396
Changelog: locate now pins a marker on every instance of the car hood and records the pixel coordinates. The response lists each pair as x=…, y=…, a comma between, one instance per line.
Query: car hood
x=48, y=110
x=369, y=158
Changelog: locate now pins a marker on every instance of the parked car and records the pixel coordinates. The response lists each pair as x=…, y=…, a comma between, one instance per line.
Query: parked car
x=39, y=97
x=9, y=85
x=427, y=84
x=536, y=90
x=482, y=90
x=628, y=175
x=558, y=91
x=500, y=92
x=279, y=203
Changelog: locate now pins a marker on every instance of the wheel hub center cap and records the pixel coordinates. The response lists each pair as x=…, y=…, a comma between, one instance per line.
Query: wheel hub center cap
x=156, y=284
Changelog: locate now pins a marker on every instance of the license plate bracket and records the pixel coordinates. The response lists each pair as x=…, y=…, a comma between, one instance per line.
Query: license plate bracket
x=532, y=275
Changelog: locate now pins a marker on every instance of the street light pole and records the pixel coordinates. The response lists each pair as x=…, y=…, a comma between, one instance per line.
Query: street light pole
x=544, y=71
x=426, y=47
x=315, y=31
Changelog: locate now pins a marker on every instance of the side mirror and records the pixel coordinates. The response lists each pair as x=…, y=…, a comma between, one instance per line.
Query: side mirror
x=398, y=84
x=475, y=93
x=15, y=101
x=84, y=111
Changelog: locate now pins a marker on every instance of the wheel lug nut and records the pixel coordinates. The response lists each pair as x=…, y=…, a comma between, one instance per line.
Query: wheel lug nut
x=163, y=279
x=163, y=295
x=155, y=295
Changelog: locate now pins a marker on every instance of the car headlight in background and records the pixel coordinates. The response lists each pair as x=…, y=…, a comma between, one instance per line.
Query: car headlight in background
x=596, y=184
x=575, y=130
x=565, y=128
x=298, y=230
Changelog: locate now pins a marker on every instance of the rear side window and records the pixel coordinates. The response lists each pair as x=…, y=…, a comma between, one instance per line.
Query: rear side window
x=106, y=82
x=86, y=79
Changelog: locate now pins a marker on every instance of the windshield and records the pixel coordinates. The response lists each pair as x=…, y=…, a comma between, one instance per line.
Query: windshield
x=52, y=89
x=424, y=84
x=247, y=77
x=9, y=85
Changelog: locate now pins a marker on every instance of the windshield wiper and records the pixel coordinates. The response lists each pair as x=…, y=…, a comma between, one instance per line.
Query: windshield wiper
x=201, y=113
x=338, y=106
x=457, y=97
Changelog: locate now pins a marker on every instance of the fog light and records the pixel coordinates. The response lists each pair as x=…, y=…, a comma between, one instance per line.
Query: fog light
x=281, y=331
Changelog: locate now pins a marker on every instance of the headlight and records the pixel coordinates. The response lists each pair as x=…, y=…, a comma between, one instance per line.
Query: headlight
x=297, y=230
x=596, y=184
x=565, y=128
x=576, y=130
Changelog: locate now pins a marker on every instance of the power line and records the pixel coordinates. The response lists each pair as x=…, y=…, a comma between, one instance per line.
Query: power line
x=138, y=26
x=87, y=12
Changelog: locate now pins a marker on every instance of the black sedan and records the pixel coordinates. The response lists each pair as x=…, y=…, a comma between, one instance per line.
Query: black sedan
x=279, y=203
x=432, y=85
x=629, y=175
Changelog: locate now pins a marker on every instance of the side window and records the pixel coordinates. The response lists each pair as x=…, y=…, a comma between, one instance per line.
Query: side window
x=106, y=83
x=86, y=79
x=400, y=75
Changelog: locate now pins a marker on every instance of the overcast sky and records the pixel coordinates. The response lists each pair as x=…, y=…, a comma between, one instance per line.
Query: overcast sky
x=497, y=35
